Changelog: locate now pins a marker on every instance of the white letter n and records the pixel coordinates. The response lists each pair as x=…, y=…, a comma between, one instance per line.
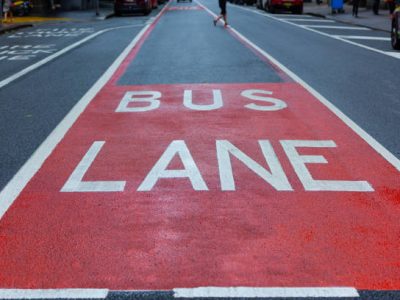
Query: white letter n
x=276, y=177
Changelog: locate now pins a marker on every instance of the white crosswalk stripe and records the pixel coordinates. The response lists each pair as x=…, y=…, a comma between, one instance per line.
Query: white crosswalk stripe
x=360, y=37
x=337, y=27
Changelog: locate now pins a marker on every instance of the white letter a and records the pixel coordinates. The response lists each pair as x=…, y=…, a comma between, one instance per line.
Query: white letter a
x=160, y=168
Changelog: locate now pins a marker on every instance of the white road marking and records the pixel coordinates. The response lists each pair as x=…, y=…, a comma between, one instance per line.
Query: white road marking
x=14, y=187
x=360, y=37
x=295, y=16
x=271, y=292
x=44, y=61
x=321, y=33
x=307, y=20
x=338, y=27
x=394, y=54
x=350, y=123
x=53, y=294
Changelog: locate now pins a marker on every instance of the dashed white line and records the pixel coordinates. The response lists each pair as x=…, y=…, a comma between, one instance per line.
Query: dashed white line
x=270, y=292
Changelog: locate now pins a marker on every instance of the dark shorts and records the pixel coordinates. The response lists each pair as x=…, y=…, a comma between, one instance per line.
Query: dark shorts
x=222, y=5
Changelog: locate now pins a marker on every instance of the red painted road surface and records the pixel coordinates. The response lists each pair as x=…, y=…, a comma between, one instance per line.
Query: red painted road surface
x=233, y=196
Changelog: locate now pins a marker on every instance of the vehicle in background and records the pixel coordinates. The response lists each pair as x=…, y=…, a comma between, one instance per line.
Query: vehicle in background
x=132, y=6
x=272, y=6
x=21, y=8
x=395, y=32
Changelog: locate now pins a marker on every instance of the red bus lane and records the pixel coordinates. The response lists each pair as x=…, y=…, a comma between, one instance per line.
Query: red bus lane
x=183, y=185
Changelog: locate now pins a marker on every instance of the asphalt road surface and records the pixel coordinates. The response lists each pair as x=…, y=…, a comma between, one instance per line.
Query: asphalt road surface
x=162, y=157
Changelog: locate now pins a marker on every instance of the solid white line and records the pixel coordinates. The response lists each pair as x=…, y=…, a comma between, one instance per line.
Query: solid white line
x=394, y=54
x=29, y=169
x=350, y=123
x=53, y=294
x=360, y=37
x=337, y=27
x=55, y=55
x=271, y=292
x=321, y=33
x=307, y=20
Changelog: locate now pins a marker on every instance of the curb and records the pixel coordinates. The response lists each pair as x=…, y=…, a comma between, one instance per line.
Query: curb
x=14, y=27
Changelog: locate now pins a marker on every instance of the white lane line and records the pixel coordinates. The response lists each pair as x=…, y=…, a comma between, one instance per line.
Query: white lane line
x=295, y=16
x=321, y=33
x=14, y=187
x=307, y=20
x=350, y=123
x=272, y=292
x=57, y=54
x=394, y=54
x=338, y=27
x=53, y=294
x=360, y=37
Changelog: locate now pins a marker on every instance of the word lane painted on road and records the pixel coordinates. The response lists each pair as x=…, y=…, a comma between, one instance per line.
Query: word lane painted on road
x=193, y=185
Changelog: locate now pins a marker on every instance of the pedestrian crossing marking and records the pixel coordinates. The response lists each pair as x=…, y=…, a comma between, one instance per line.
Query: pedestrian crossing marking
x=308, y=20
x=359, y=37
x=337, y=27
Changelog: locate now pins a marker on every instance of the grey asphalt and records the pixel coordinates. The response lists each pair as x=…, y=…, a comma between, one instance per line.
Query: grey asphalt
x=32, y=106
x=186, y=48
x=361, y=83
x=365, y=15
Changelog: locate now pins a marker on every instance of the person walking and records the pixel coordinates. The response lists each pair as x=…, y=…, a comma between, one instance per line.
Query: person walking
x=356, y=3
x=8, y=15
x=222, y=5
x=375, y=7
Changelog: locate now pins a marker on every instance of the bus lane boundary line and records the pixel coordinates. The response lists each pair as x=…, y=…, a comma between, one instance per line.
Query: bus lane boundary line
x=386, y=154
x=15, y=186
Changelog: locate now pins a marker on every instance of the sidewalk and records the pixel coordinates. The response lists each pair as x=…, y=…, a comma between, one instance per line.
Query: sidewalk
x=63, y=16
x=365, y=16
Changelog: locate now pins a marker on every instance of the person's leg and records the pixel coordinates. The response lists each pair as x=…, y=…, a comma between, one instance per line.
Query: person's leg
x=225, y=20
x=375, y=7
x=355, y=7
